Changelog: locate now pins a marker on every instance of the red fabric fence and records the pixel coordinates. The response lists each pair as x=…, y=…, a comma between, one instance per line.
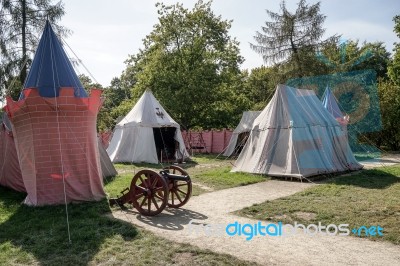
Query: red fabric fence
x=208, y=141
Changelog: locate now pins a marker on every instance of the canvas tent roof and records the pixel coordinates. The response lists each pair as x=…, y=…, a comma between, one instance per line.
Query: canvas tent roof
x=147, y=112
x=51, y=71
x=330, y=103
x=244, y=125
x=134, y=139
x=296, y=136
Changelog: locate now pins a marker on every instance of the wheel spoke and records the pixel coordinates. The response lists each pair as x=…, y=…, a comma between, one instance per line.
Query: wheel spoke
x=184, y=193
x=155, y=203
x=179, y=197
x=141, y=188
x=158, y=197
x=143, y=202
x=143, y=182
x=172, y=197
x=181, y=185
x=157, y=189
x=148, y=205
x=154, y=182
x=138, y=196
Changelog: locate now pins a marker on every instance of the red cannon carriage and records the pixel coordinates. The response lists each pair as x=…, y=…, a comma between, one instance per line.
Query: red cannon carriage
x=150, y=192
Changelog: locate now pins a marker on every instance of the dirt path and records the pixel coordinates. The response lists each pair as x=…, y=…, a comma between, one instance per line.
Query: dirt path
x=300, y=249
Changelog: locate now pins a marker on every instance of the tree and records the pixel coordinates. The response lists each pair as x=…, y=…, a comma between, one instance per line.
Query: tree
x=288, y=35
x=389, y=96
x=351, y=56
x=114, y=96
x=261, y=84
x=21, y=22
x=191, y=64
x=394, y=67
x=88, y=84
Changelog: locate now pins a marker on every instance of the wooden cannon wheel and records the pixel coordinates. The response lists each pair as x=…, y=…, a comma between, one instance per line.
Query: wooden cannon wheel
x=150, y=192
x=179, y=191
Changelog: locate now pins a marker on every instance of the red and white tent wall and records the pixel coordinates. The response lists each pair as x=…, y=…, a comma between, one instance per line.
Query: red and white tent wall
x=57, y=148
x=10, y=172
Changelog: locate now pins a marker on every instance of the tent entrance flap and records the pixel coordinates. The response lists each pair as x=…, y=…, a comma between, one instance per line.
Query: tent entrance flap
x=164, y=138
x=242, y=138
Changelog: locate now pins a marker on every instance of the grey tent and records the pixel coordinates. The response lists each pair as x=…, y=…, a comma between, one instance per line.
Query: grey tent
x=296, y=136
x=241, y=133
x=107, y=167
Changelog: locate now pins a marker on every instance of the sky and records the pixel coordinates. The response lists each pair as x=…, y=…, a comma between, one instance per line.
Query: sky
x=105, y=33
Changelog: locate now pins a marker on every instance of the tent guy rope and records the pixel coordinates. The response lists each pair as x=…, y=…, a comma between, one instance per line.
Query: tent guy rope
x=59, y=141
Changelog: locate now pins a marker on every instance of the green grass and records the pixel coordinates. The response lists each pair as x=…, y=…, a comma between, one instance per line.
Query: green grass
x=369, y=198
x=204, y=169
x=221, y=178
x=38, y=235
x=206, y=158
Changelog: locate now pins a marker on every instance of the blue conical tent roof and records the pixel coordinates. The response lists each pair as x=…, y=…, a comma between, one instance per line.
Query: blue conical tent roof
x=330, y=103
x=51, y=68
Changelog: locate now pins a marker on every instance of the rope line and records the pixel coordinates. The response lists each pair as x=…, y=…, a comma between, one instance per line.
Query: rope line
x=79, y=60
x=59, y=141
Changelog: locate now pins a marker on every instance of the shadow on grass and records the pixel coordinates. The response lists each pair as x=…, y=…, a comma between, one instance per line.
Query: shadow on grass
x=203, y=157
x=141, y=165
x=372, y=179
x=42, y=231
x=111, y=179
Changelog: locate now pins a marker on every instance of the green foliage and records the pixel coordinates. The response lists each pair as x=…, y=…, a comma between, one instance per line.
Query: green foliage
x=88, y=84
x=21, y=23
x=114, y=96
x=290, y=36
x=389, y=95
x=394, y=68
x=350, y=56
x=191, y=64
x=261, y=84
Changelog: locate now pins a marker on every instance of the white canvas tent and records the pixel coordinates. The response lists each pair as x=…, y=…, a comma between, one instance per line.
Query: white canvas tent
x=240, y=134
x=330, y=103
x=296, y=136
x=147, y=134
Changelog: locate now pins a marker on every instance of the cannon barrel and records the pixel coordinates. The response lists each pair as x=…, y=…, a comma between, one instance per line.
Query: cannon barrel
x=175, y=177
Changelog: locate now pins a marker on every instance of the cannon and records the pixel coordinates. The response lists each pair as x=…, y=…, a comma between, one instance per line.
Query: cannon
x=150, y=192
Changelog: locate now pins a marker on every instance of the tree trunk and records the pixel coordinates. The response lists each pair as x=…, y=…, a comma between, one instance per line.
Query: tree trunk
x=24, y=68
x=296, y=56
